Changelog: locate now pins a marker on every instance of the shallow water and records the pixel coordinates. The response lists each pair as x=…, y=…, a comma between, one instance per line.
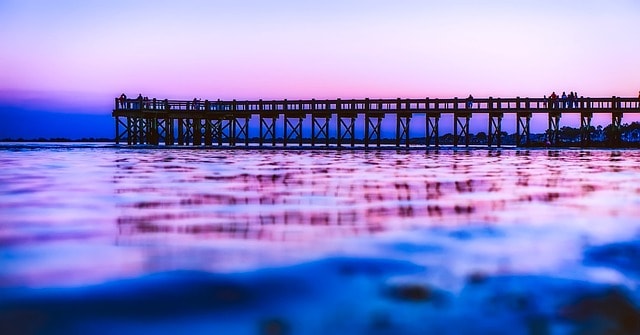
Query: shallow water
x=102, y=239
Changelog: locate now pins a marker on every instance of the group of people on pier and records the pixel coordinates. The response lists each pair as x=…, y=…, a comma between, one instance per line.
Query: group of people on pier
x=565, y=101
x=552, y=102
x=139, y=102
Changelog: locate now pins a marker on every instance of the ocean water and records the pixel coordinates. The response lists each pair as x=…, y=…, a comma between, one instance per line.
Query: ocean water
x=104, y=239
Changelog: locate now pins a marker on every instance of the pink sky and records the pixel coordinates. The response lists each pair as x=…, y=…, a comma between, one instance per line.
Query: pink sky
x=247, y=49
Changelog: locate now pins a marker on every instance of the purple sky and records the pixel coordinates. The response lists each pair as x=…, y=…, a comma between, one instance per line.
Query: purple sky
x=55, y=51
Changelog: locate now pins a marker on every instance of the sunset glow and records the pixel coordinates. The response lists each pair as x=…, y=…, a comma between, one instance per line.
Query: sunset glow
x=292, y=49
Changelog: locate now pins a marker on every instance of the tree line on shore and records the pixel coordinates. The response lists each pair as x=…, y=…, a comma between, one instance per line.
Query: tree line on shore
x=629, y=135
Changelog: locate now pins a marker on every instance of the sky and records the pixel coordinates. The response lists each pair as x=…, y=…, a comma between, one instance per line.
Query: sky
x=71, y=58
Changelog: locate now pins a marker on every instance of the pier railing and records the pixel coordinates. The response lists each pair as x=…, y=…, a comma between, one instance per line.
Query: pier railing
x=482, y=105
x=203, y=122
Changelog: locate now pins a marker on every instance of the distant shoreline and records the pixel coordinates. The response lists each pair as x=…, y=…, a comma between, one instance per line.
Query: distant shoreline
x=385, y=144
x=57, y=139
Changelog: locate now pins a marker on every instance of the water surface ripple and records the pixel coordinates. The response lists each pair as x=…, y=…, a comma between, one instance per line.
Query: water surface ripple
x=95, y=217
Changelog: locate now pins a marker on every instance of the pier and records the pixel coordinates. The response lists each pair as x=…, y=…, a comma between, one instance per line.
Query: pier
x=307, y=122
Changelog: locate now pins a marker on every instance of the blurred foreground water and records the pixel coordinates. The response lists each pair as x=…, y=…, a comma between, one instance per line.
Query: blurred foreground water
x=106, y=240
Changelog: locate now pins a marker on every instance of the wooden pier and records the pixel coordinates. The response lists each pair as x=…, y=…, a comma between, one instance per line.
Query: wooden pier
x=226, y=123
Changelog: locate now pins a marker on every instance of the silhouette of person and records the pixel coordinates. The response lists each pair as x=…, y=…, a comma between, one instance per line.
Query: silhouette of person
x=554, y=100
x=139, y=101
x=470, y=101
x=563, y=100
x=123, y=100
x=570, y=100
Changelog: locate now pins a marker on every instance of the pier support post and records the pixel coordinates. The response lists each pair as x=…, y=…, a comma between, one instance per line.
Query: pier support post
x=268, y=128
x=616, y=132
x=432, y=129
x=133, y=128
x=224, y=130
x=495, y=129
x=127, y=131
x=233, y=123
x=156, y=129
x=523, y=129
x=242, y=130
x=168, y=131
x=135, y=132
x=160, y=130
x=232, y=126
x=130, y=133
x=585, y=128
x=221, y=130
x=320, y=128
x=372, y=128
x=346, y=127
x=553, y=131
x=293, y=129
x=461, y=128
x=197, y=132
x=208, y=136
x=180, y=131
x=188, y=131
x=169, y=122
x=173, y=131
x=403, y=121
x=117, y=130
x=141, y=129
x=216, y=130
x=150, y=130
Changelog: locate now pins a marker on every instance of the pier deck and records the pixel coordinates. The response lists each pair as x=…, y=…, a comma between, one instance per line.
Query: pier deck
x=218, y=123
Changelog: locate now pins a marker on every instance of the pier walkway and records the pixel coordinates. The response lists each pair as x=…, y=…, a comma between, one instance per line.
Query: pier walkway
x=307, y=122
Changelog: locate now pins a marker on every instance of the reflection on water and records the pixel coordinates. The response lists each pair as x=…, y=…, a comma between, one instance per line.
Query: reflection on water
x=450, y=228
x=284, y=196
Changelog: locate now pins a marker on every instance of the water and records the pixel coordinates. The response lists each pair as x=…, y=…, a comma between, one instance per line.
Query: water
x=102, y=239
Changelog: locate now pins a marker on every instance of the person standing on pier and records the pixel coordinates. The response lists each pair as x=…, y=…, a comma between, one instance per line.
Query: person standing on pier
x=570, y=100
x=470, y=102
x=563, y=100
x=123, y=101
x=553, y=100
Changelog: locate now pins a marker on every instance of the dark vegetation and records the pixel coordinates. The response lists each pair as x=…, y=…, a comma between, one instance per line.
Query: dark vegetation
x=599, y=137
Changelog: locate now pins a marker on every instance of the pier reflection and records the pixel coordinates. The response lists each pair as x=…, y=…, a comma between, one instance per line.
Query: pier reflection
x=306, y=197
